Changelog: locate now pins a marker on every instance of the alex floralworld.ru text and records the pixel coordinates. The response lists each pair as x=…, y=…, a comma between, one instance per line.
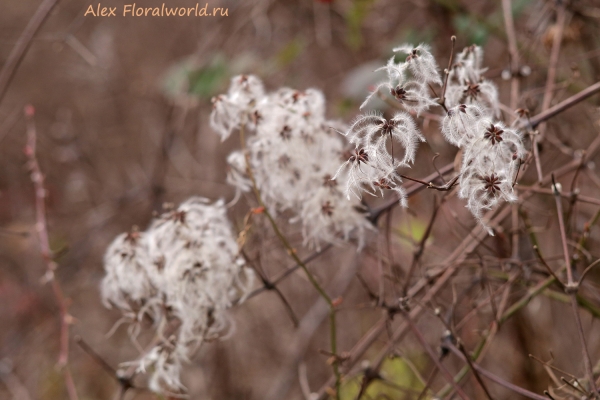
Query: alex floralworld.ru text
x=132, y=10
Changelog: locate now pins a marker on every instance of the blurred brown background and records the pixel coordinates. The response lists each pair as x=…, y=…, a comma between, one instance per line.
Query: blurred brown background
x=122, y=109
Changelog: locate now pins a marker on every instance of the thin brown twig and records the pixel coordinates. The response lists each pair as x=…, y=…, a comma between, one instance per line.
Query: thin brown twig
x=433, y=356
x=571, y=289
x=447, y=71
x=561, y=18
x=289, y=271
x=443, y=188
x=563, y=235
x=411, y=190
x=452, y=262
x=22, y=45
x=37, y=177
x=545, y=264
x=418, y=252
x=513, y=52
x=562, y=106
x=497, y=379
x=452, y=335
x=567, y=195
x=293, y=254
x=588, y=269
x=124, y=382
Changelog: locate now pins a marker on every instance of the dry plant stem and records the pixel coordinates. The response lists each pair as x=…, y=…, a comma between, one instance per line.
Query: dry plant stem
x=293, y=254
x=577, y=390
x=20, y=49
x=95, y=356
x=561, y=18
x=562, y=106
x=496, y=379
x=289, y=271
x=418, y=252
x=567, y=195
x=573, y=205
x=485, y=342
x=447, y=72
x=513, y=52
x=515, y=231
x=273, y=288
x=545, y=264
x=536, y=156
x=299, y=342
x=514, y=99
x=493, y=294
x=468, y=243
x=411, y=190
x=585, y=235
x=463, y=351
x=444, y=188
x=453, y=261
x=586, y=356
x=124, y=382
x=588, y=269
x=433, y=356
x=37, y=177
x=475, y=372
x=549, y=89
x=571, y=289
x=563, y=234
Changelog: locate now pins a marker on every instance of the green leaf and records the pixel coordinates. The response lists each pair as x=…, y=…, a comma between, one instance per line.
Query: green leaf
x=204, y=82
x=475, y=31
x=189, y=79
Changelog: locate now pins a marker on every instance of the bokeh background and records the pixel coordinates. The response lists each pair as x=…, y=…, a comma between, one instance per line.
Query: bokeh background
x=122, y=108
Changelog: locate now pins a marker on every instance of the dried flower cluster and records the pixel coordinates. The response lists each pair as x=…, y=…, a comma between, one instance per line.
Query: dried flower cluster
x=492, y=152
x=184, y=266
x=293, y=154
x=374, y=164
x=466, y=84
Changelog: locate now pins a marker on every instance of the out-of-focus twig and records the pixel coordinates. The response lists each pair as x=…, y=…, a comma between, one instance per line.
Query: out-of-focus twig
x=434, y=357
x=571, y=288
x=37, y=177
x=562, y=106
x=18, y=52
x=498, y=380
x=513, y=52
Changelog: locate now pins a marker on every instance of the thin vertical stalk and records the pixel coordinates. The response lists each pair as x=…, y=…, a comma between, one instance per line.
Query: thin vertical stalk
x=571, y=289
x=294, y=255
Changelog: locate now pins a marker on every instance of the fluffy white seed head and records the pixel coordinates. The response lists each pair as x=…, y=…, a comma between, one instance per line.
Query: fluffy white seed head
x=421, y=63
x=185, y=266
x=459, y=126
x=466, y=84
x=130, y=275
x=294, y=152
x=491, y=151
x=233, y=110
x=413, y=95
x=485, y=184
